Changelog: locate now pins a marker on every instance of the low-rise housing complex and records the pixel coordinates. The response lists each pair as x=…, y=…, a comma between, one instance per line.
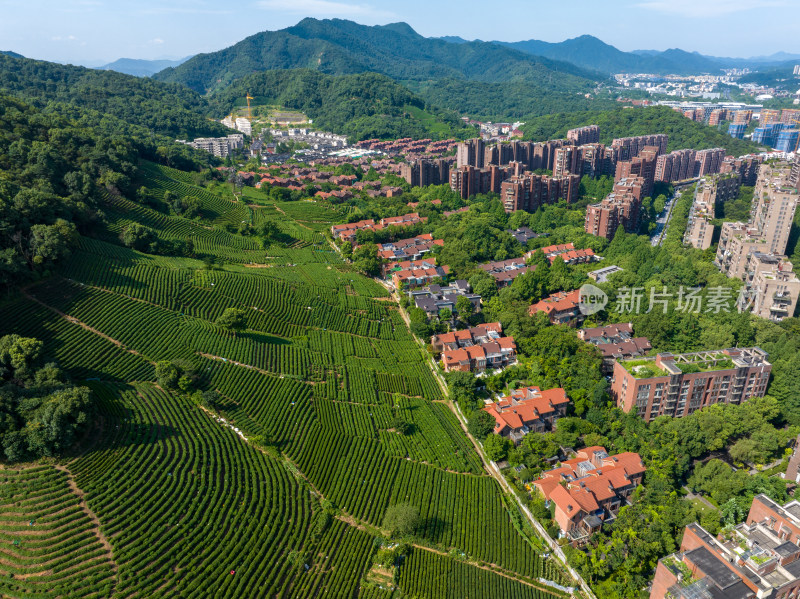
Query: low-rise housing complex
x=505, y=271
x=526, y=410
x=477, y=349
x=561, y=308
x=408, y=249
x=588, y=490
x=758, y=559
x=679, y=384
x=615, y=342
x=435, y=298
x=567, y=253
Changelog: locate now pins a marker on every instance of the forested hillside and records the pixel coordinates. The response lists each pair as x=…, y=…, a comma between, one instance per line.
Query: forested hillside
x=162, y=108
x=624, y=122
x=343, y=47
x=361, y=106
x=508, y=100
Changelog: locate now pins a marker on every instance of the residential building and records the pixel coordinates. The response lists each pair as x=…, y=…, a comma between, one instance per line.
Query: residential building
x=505, y=271
x=758, y=559
x=435, y=298
x=745, y=166
x=630, y=147
x=218, y=146
x=771, y=287
x=475, y=350
x=643, y=165
x=403, y=221
x=768, y=134
x=469, y=180
x=408, y=249
x=243, y=125
x=411, y=274
x=708, y=162
x=470, y=153
x=528, y=410
x=615, y=342
x=529, y=191
x=561, y=308
x=675, y=166
x=737, y=130
x=422, y=172
x=489, y=331
x=679, y=384
x=347, y=231
x=767, y=232
x=584, y=135
x=710, y=192
x=567, y=252
x=588, y=490
x=787, y=140
x=621, y=207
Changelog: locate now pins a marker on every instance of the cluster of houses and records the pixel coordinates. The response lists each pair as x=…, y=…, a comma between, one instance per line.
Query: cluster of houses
x=347, y=231
x=476, y=349
x=410, y=148
x=567, y=253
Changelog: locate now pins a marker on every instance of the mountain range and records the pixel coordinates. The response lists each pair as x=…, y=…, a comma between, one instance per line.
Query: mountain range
x=336, y=46
x=140, y=67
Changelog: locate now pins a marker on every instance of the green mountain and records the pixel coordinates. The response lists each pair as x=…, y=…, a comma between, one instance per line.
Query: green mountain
x=361, y=106
x=141, y=68
x=163, y=108
x=624, y=122
x=589, y=52
x=343, y=47
x=11, y=54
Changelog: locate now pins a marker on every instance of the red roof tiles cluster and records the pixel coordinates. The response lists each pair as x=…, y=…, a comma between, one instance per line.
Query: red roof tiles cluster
x=561, y=307
x=530, y=408
x=591, y=481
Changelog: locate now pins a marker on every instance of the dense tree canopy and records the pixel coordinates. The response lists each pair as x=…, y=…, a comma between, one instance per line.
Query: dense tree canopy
x=40, y=414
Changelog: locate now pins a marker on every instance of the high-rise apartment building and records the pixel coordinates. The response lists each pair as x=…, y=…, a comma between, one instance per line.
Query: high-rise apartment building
x=470, y=153
x=584, y=135
x=643, y=165
x=422, y=172
x=710, y=192
x=771, y=287
x=622, y=207
x=630, y=147
x=769, y=116
x=529, y=191
x=708, y=162
x=679, y=384
x=746, y=167
x=754, y=251
x=675, y=166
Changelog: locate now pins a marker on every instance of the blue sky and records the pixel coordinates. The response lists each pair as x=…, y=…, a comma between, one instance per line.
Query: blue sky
x=96, y=31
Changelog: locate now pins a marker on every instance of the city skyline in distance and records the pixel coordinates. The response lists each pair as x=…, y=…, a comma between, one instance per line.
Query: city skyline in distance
x=95, y=32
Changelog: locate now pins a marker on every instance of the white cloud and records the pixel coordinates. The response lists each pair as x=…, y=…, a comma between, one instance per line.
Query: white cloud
x=314, y=8
x=64, y=38
x=156, y=41
x=707, y=8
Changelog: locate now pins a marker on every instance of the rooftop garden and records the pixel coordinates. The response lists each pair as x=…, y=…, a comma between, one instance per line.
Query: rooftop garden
x=643, y=369
x=705, y=366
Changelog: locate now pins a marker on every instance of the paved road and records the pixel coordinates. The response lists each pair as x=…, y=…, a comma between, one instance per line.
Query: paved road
x=662, y=222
